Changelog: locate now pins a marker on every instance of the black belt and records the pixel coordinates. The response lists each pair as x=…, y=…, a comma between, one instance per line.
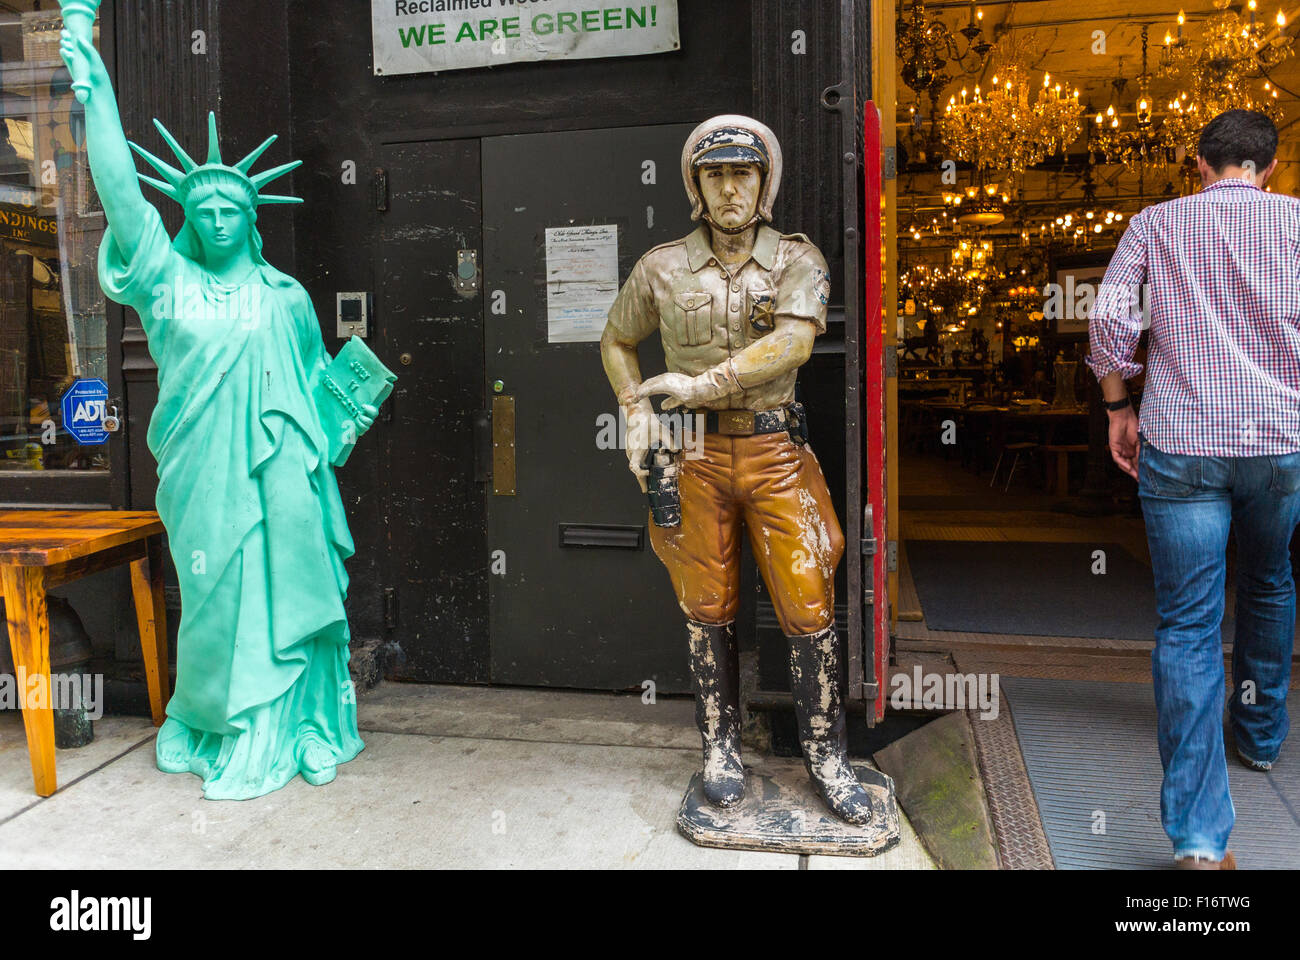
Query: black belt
x=745, y=423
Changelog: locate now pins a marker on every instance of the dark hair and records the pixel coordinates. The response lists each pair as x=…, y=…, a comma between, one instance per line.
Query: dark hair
x=1237, y=136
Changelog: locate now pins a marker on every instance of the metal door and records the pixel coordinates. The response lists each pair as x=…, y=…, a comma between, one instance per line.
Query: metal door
x=430, y=331
x=577, y=597
x=866, y=362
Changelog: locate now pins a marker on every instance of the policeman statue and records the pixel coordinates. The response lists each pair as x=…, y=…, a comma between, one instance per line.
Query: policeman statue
x=738, y=305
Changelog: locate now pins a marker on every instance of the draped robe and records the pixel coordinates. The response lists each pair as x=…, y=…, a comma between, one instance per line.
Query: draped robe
x=254, y=519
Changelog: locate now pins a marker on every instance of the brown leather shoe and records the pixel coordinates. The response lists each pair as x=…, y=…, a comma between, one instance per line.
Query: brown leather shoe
x=1229, y=862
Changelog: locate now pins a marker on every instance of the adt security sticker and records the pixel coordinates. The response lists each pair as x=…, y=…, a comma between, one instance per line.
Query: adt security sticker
x=84, y=407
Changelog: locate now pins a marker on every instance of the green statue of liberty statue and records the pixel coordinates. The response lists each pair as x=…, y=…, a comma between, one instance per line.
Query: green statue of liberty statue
x=246, y=485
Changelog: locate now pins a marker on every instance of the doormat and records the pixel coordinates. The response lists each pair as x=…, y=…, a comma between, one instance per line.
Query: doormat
x=1094, y=765
x=1033, y=589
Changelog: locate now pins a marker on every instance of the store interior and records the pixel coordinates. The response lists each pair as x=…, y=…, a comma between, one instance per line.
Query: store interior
x=1028, y=134
x=53, y=326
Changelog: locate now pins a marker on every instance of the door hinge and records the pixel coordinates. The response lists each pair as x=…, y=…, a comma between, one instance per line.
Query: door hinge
x=379, y=190
x=891, y=556
x=390, y=607
x=869, y=547
x=891, y=163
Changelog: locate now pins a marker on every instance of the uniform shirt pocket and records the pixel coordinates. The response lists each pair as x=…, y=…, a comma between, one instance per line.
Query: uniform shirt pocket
x=695, y=317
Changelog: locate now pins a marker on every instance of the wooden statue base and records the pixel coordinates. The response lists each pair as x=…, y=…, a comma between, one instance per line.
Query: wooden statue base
x=782, y=813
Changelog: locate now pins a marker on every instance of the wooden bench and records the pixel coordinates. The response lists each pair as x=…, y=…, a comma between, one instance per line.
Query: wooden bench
x=42, y=549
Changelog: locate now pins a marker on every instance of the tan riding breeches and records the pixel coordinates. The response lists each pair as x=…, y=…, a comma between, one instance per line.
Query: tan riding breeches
x=776, y=490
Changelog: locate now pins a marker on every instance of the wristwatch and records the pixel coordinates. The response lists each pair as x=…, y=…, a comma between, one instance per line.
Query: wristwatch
x=1118, y=404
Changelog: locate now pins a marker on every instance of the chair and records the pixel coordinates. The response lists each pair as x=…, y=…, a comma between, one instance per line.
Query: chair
x=1017, y=448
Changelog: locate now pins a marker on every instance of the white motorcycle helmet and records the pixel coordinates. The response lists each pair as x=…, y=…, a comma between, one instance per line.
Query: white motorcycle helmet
x=732, y=138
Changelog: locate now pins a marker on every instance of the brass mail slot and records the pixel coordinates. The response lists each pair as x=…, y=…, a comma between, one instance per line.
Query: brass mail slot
x=503, y=446
x=602, y=535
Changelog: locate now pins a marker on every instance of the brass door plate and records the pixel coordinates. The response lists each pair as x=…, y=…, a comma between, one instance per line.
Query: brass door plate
x=503, y=446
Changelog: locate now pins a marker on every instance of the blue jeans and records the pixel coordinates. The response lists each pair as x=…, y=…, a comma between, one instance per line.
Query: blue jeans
x=1189, y=503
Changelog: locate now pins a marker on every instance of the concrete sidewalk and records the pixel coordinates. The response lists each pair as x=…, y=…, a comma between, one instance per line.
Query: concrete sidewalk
x=451, y=777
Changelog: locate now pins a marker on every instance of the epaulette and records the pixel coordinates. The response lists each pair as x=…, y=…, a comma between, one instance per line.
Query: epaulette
x=664, y=246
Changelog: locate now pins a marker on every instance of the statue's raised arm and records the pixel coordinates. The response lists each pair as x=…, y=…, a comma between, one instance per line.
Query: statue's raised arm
x=111, y=163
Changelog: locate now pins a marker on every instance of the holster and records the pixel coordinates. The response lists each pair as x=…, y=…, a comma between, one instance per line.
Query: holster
x=662, y=487
x=796, y=419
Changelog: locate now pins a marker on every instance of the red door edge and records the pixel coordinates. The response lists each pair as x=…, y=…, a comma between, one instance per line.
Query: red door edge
x=874, y=376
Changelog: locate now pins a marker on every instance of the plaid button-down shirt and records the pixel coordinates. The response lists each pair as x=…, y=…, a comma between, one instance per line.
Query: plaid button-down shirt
x=1217, y=275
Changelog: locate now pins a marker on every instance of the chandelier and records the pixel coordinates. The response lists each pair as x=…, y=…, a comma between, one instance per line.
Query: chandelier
x=980, y=206
x=1080, y=226
x=957, y=289
x=1204, y=100
x=974, y=259
x=1142, y=145
x=943, y=225
x=1229, y=44
x=934, y=289
x=1217, y=71
x=1002, y=127
x=1024, y=296
x=1074, y=225
x=925, y=47
x=934, y=228
x=923, y=142
x=1077, y=227
x=1093, y=217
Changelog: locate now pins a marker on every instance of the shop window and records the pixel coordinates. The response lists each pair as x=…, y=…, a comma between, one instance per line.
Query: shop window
x=53, y=323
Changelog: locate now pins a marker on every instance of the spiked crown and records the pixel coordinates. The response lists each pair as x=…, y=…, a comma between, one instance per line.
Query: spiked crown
x=179, y=184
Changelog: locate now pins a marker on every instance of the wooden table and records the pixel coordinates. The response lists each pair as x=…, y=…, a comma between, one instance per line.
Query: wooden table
x=1056, y=482
x=41, y=549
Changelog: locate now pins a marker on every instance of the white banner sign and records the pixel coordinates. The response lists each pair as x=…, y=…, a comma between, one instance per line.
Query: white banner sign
x=423, y=36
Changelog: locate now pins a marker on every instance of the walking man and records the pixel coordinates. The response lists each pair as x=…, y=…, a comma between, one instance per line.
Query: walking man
x=1218, y=446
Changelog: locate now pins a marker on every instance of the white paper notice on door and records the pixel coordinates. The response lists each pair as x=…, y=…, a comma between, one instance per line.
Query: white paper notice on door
x=581, y=281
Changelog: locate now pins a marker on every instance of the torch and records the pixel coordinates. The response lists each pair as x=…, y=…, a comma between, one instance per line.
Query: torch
x=79, y=20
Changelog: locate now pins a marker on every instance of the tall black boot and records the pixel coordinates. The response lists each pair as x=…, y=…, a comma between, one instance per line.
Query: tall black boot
x=715, y=668
x=818, y=676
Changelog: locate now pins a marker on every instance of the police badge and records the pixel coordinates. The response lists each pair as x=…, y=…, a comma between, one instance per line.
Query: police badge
x=762, y=311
